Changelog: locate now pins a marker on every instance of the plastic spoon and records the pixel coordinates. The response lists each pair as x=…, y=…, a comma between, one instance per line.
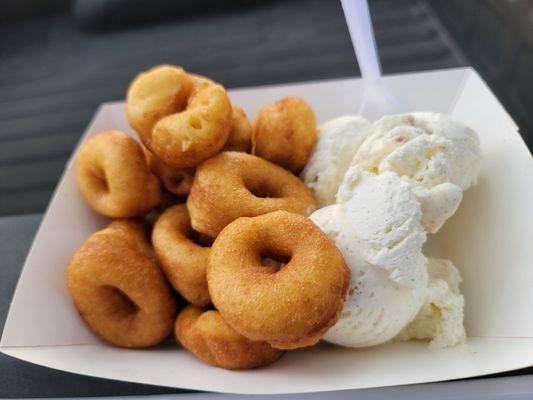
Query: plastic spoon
x=377, y=98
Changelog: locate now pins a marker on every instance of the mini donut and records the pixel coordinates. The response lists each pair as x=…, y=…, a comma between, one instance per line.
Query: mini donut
x=183, y=119
x=175, y=180
x=240, y=135
x=232, y=185
x=114, y=178
x=289, y=307
x=284, y=132
x=206, y=335
x=118, y=288
x=183, y=259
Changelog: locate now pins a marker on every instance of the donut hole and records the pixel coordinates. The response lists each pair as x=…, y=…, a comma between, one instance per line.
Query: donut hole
x=180, y=101
x=174, y=182
x=195, y=122
x=103, y=184
x=274, y=259
x=262, y=189
x=99, y=179
x=119, y=303
x=201, y=239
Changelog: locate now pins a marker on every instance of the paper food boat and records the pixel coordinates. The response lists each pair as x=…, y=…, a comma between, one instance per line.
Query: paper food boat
x=490, y=239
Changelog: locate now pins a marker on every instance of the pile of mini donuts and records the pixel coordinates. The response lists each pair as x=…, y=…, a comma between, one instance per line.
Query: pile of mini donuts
x=209, y=243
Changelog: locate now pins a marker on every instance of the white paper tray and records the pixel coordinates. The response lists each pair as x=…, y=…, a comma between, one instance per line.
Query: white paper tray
x=489, y=239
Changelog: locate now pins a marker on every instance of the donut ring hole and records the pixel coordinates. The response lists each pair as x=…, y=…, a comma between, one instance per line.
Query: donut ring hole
x=274, y=259
x=120, y=303
x=263, y=189
x=180, y=102
x=100, y=181
x=200, y=239
x=174, y=182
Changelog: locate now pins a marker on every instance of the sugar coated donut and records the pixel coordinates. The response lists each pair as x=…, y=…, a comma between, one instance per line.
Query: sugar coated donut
x=114, y=178
x=175, y=180
x=288, y=307
x=118, y=288
x=182, y=118
x=232, y=185
x=183, y=258
x=211, y=339
x=284, y=133
x=240, y=135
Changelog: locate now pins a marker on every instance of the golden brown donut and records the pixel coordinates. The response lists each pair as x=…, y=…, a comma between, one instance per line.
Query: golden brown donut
x=288, y=307
x=284, y=132
x=183, y=119
x=240, y=135
x=183, y=259
x=207, y=336
x=114, y=178
x=175, y=180
x=118, y=288
x=233, y=184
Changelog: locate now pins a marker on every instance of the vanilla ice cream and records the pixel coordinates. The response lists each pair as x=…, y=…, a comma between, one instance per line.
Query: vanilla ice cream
x=437, y=155
x=440, y=318
x=376, y=225
x=405, y=179
x=338, y=141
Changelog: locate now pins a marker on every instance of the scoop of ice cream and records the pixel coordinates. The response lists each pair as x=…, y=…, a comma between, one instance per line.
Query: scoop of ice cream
x=337, y=143
x=440, y=318
x=381, y=142
x=425, y=159
x=383, y=213
x=428, y=150
x=376, y=226
x=377, y=307
x=465, y=154
x=431, y=148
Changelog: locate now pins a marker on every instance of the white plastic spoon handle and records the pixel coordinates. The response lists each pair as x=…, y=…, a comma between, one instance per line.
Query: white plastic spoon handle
x=377, y=99
x=360, y=26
